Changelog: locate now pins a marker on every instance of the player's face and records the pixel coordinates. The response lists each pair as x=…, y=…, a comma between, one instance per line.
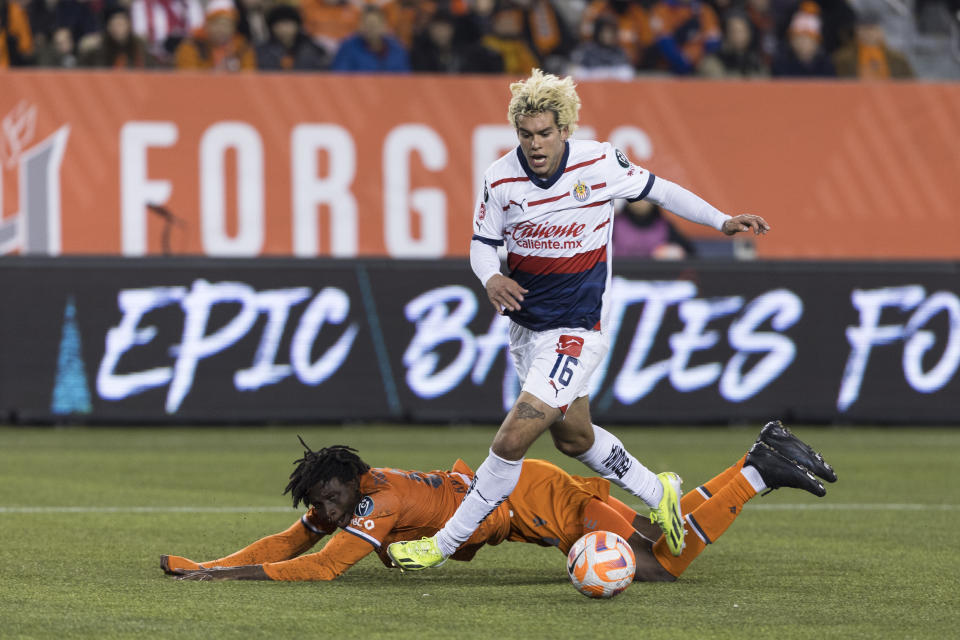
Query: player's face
x=542, y=142
x=335, y=499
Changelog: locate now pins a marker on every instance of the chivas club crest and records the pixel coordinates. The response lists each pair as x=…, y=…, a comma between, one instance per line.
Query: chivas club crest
x=580, y=192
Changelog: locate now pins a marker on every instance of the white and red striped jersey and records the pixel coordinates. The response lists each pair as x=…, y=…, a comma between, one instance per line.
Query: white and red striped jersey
x=557, y=230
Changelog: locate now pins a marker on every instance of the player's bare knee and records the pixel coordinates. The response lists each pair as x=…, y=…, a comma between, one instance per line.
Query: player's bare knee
x=572, y=436
x=571, y=445
x=510, y=444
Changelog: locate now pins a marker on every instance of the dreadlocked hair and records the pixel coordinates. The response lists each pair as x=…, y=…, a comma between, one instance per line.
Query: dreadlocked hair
x=337, y=461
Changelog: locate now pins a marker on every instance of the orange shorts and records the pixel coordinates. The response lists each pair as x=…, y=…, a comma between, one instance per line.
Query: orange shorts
x=546, y=507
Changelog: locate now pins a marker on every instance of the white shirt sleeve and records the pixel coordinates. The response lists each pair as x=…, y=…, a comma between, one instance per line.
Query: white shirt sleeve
x=484, y=260
x=685, y=204
x=488, y=215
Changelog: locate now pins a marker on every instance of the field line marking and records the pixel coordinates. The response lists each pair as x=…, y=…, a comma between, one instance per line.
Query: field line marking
x=832, y=506
x=827, y=506
x=133, y=509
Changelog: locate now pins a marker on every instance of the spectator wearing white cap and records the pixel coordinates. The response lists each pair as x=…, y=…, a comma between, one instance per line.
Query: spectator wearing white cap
x=217, y=46
x=804, y=55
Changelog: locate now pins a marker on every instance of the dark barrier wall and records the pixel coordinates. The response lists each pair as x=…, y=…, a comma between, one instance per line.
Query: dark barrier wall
x=211, y=341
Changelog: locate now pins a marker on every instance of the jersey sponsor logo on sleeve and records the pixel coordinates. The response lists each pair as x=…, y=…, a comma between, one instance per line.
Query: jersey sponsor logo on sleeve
x=622, y=159
x=570, y=345
x=580, y=192
x=366, y=523
x=364, y=507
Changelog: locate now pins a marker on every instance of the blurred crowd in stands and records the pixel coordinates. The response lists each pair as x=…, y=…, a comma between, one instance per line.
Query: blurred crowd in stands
x=619, y=39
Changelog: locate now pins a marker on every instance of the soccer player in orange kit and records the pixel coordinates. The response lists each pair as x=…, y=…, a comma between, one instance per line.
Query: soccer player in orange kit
x=373, y=507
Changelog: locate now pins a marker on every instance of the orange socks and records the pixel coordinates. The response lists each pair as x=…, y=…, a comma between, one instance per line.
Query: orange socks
x=172, y=563
x=707, y=522
x=600, y=516
x=693, y=499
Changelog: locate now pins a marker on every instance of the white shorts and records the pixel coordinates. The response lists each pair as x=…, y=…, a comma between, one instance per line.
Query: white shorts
x=556, y=365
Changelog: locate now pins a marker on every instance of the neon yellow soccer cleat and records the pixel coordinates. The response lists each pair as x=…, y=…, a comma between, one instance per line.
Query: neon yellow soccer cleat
x=668, y=515
x=414, y=555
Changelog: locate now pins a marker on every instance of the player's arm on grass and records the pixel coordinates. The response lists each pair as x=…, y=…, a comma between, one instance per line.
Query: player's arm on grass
x=300, y=536
x=342, y=552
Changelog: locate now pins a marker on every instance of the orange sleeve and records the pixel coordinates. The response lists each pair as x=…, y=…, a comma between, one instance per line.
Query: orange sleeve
x=709, y=22
x=279, y=546
x=187, y=56
x=342, y=552
x=641, y=24
x=248, y=62
x=20, y=27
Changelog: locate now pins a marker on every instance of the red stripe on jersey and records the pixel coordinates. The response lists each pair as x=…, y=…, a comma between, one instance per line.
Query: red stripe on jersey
x=594, y=204
x=598, y=186
x=539, y=265
x=602, y=225
x=545, y=200
x=584, y=163
x=502, y=180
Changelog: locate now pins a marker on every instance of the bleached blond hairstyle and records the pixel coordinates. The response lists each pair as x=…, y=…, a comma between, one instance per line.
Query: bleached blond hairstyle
x=545, y=92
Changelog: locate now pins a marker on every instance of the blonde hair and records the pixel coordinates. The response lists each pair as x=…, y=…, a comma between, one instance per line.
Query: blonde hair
x=545, y=92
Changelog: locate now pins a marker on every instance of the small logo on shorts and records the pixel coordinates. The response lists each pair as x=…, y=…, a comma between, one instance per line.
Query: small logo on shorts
x=580, y=192
x=570, y=345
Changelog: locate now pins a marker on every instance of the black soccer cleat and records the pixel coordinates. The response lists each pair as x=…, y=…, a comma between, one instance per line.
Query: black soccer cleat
x=778, y=470
x=778, y=437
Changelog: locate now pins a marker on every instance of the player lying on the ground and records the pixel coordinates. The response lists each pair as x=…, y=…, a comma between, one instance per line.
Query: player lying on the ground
x=374, y=507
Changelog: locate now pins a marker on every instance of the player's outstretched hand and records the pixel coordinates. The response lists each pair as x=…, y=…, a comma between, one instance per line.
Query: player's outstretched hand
x=505, y=293
x=746, y=222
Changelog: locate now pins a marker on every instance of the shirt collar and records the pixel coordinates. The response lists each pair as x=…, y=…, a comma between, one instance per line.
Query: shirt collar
x=545, y=183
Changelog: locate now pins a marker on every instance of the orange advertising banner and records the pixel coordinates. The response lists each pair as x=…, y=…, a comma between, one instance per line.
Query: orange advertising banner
x=328, y=165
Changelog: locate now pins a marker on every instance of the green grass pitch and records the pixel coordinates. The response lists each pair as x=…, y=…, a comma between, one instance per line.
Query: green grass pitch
x=85, y=513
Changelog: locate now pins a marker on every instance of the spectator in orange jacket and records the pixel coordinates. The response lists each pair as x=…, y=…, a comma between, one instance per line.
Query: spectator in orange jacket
x=217, y=46
x=868, y=57
x=684, y=31
x=408, y=18
x=506, y=38
x=633, y=25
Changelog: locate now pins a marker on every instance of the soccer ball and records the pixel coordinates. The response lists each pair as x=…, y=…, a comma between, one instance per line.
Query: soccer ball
x=601, y=564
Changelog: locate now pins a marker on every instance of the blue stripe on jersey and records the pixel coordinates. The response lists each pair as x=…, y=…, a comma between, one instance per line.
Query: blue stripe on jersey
x=646, y=189
x=363, y=536
x=558, y=300
x=305, y=522
x=492, y=243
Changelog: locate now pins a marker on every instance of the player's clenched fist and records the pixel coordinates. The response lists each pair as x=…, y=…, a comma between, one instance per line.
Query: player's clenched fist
x=505, y=293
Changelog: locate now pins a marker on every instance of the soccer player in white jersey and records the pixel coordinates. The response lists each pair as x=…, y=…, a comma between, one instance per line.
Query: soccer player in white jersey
x=550, y=201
